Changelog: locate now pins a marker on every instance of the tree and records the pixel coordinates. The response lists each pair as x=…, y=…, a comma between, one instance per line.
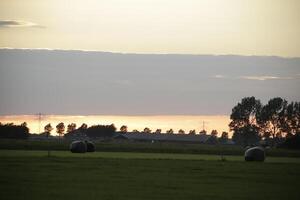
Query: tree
x=291, y=122
x=180, y=131
x=135, y=131
x=272, y=117
x=71, y=127
x=192, y=132
x=123, y=129
x=170, y=131
x=24, y=124
x=243, y=121
x=147, y=130
x=13, y=131
x=60, y=129
x=203, y=132
x=83, y=127
x=102, y=131
x=214, y=133
x=224, y=137
x=158, y=131
x=213, y=137
x=48, y=128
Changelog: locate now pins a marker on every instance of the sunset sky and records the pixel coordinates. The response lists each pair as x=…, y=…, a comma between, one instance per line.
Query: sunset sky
x=243, y=27
x=184, y=62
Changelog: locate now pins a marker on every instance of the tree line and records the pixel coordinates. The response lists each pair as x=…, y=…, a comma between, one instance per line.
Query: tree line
x=276, y=124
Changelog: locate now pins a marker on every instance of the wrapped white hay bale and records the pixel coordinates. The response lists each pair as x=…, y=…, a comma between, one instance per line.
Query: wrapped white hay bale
x=78, y=147
x=90, y=147
x=255, y=154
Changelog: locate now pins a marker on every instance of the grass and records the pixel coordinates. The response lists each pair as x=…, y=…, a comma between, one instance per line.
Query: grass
x=144, y=147
x=117, y=175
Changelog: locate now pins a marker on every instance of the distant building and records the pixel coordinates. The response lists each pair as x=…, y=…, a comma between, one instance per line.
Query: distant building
x=150, y=137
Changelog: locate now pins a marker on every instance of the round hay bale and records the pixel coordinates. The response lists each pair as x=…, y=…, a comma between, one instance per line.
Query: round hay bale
x=90, y=147
x=255, y=154
x=78, y=147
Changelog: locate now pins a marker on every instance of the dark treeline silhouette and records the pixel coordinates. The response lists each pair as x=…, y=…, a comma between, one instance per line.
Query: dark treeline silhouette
x=14, y=131
x=101, y=131
x=277, y=123
x=94, y=131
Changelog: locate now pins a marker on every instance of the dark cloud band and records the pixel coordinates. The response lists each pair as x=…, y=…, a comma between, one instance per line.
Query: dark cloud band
x=17, y=23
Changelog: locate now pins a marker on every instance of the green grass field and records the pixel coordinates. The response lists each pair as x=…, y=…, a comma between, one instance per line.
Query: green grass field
x=144, y=147
x=116, y=175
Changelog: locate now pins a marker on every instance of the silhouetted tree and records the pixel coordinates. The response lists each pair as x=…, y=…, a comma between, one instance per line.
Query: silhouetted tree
x=83, y=127
x=104, y=131
x=12, y=131
x=180, y=131
x=214, y=133
x=135, y=131
x=24, y=124
x=224, y=137
x=48, y=128
x=213, y=137
x=60, y=129
x=272, y=117
x=123, y=129
x=170, y=131
x=71, y=127
x=243, y=121
x=203, y=132
x=291, y=122
x=192, y=132
x=147, y=130
x=158, y=131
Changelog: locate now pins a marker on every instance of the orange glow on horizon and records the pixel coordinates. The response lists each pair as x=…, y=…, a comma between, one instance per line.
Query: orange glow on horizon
x=164, y=122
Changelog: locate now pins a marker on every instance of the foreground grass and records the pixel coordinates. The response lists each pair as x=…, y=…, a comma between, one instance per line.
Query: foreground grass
x=136, y=155
x=32, y=175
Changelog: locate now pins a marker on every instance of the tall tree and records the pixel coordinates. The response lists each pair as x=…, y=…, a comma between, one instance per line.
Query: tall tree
x=181, y=131
x=244, y=121
x=83, y=127
x=158, y=131
x=214, y=133
x=224, y=137
x=60, y=129
x=48, y=128
x=272, y=117
x=124, y=129
x=291, y=122
x=147, y=130
x=71, y=127
x=170, y=131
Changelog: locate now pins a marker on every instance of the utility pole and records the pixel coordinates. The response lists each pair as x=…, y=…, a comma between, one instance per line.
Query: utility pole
x=40, y=120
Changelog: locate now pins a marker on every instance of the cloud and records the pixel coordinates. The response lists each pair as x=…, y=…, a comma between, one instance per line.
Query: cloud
x=264, y=78
x=18, y=23
x=258, y=78
x=219, y=76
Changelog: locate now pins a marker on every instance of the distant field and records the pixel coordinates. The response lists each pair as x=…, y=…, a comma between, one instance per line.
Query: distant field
x=119, y=175
x=143, y=147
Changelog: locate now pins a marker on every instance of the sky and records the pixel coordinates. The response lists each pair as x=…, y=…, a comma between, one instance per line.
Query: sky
x=146, y=58
x=241, y=27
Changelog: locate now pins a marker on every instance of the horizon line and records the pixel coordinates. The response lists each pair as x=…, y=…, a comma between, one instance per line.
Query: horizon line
x=143, y=53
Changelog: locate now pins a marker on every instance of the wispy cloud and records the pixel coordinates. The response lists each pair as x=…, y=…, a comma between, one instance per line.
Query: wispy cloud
x=255, y=77
x=265, y=78
x=219, y=76
x=18, y=23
